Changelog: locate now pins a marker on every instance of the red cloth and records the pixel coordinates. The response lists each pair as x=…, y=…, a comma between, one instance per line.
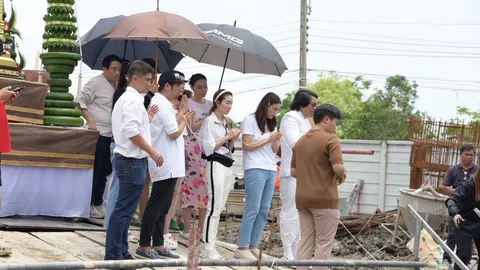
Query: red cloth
x=4, y=130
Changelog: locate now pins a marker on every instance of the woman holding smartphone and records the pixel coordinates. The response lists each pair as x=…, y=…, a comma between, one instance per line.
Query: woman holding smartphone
x=217, y=138
x=260, y=143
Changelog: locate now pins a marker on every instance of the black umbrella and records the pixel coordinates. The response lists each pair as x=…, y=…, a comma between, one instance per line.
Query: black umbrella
x=233, y=48
x=95, y=47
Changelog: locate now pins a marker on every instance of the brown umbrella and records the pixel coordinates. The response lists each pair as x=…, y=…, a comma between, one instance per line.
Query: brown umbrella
x=155, y=25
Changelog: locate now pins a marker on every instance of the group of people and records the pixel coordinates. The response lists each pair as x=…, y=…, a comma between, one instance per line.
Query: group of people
x=176, y=150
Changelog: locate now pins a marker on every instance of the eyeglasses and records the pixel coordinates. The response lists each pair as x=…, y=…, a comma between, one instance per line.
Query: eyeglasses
x=314, y=105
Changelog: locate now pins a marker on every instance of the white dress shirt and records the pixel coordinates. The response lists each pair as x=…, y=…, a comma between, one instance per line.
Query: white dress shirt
x=96, y=96
x=211, y=131
x=293, y=126
x=129, y=118
x=165, y=123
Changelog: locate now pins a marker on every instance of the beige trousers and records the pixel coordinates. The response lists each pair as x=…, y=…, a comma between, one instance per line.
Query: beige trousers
x=317, y=228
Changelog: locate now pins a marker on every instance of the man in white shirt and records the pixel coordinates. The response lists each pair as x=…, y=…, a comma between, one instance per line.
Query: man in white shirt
x=95, y=102
x=131, y=130
x=167, y=138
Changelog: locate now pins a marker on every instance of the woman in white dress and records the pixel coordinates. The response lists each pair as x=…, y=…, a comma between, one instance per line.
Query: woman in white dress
x=294, y=125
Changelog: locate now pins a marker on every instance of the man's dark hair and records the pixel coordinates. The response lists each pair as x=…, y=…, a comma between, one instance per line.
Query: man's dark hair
x=107, y=61
x=149, y=61
x=139, y=68
x=467, y=147
x=302, y=99
x=325, y=110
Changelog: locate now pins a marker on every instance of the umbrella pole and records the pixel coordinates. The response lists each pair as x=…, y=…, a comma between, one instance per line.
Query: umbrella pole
x=223, y=71
x=158, y=4
x=226, y=59
x=156, y=58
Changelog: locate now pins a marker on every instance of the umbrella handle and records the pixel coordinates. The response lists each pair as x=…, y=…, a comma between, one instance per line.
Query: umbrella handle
x=226, y=59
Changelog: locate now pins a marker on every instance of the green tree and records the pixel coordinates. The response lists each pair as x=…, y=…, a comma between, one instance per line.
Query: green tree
x=343, y=93
x=386, y=113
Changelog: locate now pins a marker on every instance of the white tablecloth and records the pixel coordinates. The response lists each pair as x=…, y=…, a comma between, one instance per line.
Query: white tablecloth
x=58, y=192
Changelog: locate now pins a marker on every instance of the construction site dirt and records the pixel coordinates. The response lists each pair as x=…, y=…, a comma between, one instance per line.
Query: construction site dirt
x=367, y=237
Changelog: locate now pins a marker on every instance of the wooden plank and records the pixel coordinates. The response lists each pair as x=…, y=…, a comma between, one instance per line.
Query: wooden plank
x=27, y=248
x=74, y=244
x=46, y=223
x=100, y=222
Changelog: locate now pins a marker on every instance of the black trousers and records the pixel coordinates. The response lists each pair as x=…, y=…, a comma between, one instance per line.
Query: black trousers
x=451, y=240
x=101, y=169
x=157, y=208
x=464, y=247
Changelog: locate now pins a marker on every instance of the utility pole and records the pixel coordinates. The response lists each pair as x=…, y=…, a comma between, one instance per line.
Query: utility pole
x=304, y=12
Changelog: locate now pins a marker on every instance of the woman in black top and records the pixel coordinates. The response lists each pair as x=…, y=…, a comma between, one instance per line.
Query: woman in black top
x=463, y=205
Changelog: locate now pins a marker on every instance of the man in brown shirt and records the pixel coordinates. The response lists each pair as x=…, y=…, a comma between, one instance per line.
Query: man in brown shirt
x=317, y=164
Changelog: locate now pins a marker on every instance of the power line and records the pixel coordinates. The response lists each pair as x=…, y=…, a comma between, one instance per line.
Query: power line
x=392, y=37
x=393, y=50
x=384, y=75
x=275, y=25
x=397, y=43
x=401, y=55
x=352, y=76
x=401, y=23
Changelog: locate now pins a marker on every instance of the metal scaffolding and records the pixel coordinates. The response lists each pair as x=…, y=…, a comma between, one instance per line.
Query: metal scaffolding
x=132, y=264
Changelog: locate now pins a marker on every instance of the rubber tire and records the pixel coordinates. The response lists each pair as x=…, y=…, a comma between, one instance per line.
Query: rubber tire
x=63, y=112
x=59, y=96
x=60, y=82
x=64, y=121
x=59, y=89
x=60, y=104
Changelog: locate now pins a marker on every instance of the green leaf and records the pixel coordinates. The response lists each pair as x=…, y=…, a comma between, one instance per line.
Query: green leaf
x=16, y=32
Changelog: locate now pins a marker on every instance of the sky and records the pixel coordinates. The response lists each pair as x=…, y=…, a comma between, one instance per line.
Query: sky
x=435, y=43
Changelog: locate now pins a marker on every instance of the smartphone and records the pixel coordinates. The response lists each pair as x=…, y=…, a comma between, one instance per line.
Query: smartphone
x=18, y=89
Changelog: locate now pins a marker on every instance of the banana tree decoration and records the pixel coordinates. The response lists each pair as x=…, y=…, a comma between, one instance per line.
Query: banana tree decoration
x=10, y=33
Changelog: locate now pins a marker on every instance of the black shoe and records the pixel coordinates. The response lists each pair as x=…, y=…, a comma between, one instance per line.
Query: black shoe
x=166, y=254
x=129, y=257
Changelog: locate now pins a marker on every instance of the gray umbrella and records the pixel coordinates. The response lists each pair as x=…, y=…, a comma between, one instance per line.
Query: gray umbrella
x=95, y=47
x=233, y=48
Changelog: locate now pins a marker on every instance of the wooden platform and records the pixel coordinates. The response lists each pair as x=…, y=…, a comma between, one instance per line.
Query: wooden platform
x=46, y=223
x=61, y=240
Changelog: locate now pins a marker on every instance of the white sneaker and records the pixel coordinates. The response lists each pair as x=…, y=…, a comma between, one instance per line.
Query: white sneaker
x=170, y=242
x=95, y=212
x=5, y=249
x=210, y=253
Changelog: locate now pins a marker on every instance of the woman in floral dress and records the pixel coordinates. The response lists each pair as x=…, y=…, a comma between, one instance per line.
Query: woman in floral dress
x=194, y=188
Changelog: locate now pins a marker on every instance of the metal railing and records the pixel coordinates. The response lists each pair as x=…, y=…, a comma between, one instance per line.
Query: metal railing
x=422, y=224
x=182, y=263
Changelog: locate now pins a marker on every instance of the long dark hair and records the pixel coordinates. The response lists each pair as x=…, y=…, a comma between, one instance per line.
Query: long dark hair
x=217, y=98
x=122, y=83
x=261, y=112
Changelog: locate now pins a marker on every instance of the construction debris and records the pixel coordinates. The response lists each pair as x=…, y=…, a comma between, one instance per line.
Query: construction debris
x=358, y=224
